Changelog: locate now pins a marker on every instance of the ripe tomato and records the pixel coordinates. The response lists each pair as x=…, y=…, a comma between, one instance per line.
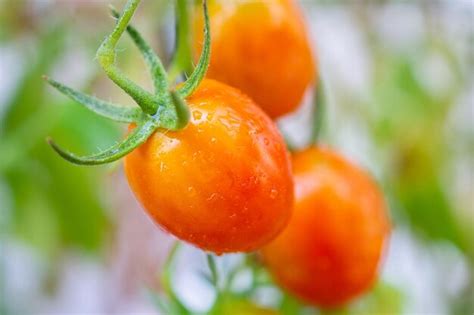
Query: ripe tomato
x=261, y=48
x=223, y=183
x=332, y=247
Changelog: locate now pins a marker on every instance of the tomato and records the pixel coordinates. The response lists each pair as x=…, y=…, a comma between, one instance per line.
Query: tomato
x=331, y=250
x=260, y=47
x=224, y=182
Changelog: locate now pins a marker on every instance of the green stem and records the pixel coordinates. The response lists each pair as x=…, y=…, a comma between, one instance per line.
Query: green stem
x=167, y=109
x=290, y=146
x=106, y=56
x=166, y=278
x=182, y=60
x=211, y=263
x=5, y=221
x=199, y=72
x=138, y=136
x=123, y=21
x=167, y=271
x=182, y=111
x=319, y=103
x=157, y=71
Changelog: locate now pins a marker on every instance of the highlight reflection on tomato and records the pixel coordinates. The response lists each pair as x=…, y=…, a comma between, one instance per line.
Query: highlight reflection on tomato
x=224, y=182
x=331, y=250
x=261, y=48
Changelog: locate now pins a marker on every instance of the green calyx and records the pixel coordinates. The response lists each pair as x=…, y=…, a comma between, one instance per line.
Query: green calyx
x=165, y=108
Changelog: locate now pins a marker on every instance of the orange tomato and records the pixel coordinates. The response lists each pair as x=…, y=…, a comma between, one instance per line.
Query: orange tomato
x=331, y=250
x=260, y=47
x=223, y=183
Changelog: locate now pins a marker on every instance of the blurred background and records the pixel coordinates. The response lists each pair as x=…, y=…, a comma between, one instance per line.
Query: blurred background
x=399, y=79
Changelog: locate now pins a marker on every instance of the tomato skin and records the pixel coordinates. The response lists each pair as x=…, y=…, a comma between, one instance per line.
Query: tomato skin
x=331, y=249
x=224, y=182
x=261, y=48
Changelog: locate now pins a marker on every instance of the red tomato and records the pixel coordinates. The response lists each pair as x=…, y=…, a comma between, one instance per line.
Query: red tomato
x=331, y=250
x=223, y=183
x=261, y=48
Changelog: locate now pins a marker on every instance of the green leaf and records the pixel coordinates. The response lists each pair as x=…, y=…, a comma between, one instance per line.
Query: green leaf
x=383, y=299
x=290, y=306
x=138, y=136
x=427, y=207
x=105, y=109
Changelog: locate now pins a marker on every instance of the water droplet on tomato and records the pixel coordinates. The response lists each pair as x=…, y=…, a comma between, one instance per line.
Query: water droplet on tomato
x=191, y=190
x=197, y=115
x=273, y=193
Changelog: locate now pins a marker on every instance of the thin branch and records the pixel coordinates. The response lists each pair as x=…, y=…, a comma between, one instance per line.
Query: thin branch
x=136, y=138
x=199, y=72
x=106, y=56
x=105, y=109
x=157, y=71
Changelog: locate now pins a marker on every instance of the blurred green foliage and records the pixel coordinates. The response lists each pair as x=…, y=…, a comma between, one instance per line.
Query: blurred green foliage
x=409, y=121
x=53, y=203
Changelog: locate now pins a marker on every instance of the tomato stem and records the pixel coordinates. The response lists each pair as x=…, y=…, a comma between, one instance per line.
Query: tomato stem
x=157, y=71
x=166, y=277
x=182, y=111
x=163, y=109
x=211, y=263
x=200, y=71
x=106, y=56
x=182, y=60
x=318, y=110
x=123, y=21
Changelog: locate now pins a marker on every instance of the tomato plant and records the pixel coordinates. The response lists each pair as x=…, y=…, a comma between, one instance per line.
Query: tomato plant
x=201, y=158
x=210, y=167
x=262, y=48
x=207, y=164
x=331, y=250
